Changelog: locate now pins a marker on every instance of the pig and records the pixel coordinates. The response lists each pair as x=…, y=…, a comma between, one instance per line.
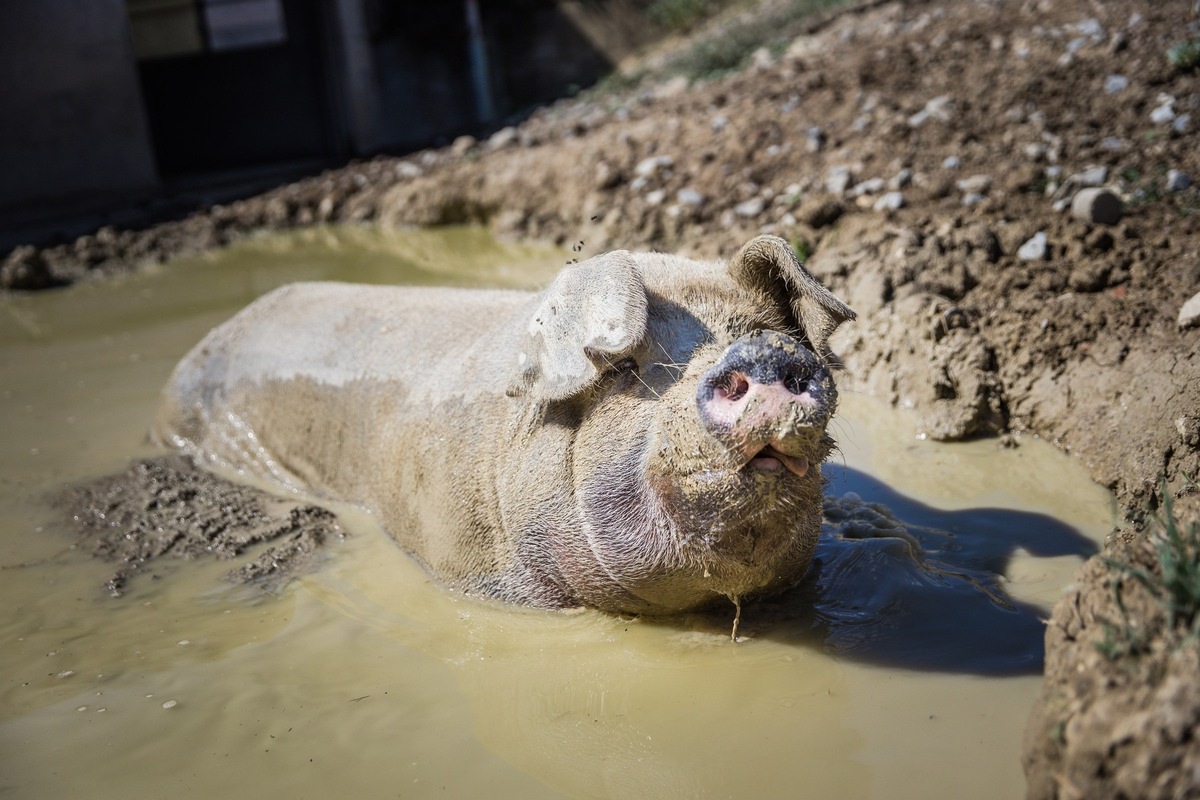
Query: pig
x=644, y=436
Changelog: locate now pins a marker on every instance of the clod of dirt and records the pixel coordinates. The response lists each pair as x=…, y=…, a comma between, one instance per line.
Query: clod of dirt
x=168, y=507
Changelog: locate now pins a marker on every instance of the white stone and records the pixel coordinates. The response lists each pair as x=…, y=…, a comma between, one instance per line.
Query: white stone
x=689, y=197
x=1189, y=315
x=1114, y=84
x=891, y=201
x=1036, y=249
x=1162, y=115
x=749, y=209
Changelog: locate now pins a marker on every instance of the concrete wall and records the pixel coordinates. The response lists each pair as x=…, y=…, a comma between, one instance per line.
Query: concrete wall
x=71, y=119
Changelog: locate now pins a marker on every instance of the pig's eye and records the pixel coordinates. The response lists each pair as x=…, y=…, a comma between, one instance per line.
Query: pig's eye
x=625, y=365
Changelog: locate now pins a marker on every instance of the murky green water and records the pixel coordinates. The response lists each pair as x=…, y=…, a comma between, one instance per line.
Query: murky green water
x=366, y=680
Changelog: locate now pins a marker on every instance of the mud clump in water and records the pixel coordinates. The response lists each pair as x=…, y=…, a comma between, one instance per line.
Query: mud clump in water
x=168, y=507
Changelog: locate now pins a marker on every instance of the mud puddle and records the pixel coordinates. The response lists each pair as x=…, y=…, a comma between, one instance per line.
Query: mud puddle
x=364, y=679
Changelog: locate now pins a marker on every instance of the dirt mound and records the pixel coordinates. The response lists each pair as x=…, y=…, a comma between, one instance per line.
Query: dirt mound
x=166, y=507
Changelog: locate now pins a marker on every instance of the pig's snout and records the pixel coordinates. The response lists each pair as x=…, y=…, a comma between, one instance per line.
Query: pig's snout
x=766, y=386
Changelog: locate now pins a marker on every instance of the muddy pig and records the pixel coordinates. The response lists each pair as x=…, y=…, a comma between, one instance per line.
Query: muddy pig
x=645, y=435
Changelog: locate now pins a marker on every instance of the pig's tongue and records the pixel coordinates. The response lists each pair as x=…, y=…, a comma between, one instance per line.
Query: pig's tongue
x=771, y=459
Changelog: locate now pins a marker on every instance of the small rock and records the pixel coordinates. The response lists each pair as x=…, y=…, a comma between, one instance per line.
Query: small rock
x=1163, y=114
x=690, y=197
x=672, y=88
x=1189, y=315
x=973, y=199
x=606, y=176
x=1036, y=248
x=1092, y=176
x=892, y=201
x=656, y=197
x=409, y=170
x=749, y=209
x=1060, y=205
x=462, y=145
x=976, y=184
x=1111, y=143
x=951, y=162
x=838, y=180
x=1091, y=28
x=25, y=269
x=871, y=186
x=1098, y=205
x=1182, y=124
x=900, y=180
x=719, y=123
x=1177, y=181
x=814, y=139
x=503, y=138
x=1115, y=84
x=648, y=166
x=170, y=704
x=939, y=108
x=1035, y=151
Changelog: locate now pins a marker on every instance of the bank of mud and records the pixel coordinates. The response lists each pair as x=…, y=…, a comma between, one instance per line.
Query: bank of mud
x=925, y=156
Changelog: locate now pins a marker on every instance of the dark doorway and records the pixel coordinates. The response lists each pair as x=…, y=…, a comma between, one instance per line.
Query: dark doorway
x=229, y=84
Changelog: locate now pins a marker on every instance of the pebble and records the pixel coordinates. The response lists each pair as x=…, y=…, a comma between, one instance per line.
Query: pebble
x=1182, y=124
x=1114, y=84
x=892, y=201
x=1178, y=181
x=951, y=162
x=1163, y=114
x=1092, y=176
x=1098, y=205
x=170, y=704
x=814, y=139
x=870, y=186
x=973, y=199
x=462, y=145
x=938, y=108
x=407, y=169
x=751, y=208
x=1035, y=151
x=656, y=197
x=648, y=166
x=502, y=138
x=838, y=180
x=719, y=123
x=976, y=184
x=1111, y=143
x=901, y=179
x=1036, y=249
x=1189, y=315
x=689, y=197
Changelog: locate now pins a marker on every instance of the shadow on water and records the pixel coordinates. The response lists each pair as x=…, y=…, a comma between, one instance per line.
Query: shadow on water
x=901, y=584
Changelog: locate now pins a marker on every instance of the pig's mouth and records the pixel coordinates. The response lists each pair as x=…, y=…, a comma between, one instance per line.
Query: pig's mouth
x=768, y=459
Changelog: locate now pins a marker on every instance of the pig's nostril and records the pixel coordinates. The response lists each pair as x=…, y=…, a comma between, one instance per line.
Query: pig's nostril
x=795, y=381
x=734, y=387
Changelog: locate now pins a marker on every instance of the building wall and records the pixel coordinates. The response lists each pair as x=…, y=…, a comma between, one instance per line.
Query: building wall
x=72, y=124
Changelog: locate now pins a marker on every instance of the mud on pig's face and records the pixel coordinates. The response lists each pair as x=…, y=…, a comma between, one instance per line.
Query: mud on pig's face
x=701, y=396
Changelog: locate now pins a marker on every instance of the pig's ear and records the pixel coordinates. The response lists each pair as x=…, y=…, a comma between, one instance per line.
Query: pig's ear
x=767, y=263
x=592, y=314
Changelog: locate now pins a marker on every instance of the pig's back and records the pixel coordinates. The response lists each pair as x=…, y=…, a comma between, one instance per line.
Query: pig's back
x=301, y=385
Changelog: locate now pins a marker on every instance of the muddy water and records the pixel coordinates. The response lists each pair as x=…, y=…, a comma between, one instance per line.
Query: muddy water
x=365, y=680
